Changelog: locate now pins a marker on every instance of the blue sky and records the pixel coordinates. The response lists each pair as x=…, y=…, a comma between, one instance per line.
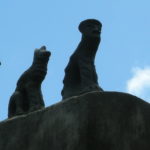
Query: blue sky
x=122, y=61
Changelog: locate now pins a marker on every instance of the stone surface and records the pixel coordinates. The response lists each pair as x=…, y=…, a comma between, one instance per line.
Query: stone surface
x=93, y=121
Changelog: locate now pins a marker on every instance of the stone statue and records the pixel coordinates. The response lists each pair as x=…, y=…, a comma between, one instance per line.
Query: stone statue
x=28, y=96
x=80, y=74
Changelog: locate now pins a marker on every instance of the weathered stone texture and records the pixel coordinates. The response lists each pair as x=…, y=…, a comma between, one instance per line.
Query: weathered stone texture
x=93, y=121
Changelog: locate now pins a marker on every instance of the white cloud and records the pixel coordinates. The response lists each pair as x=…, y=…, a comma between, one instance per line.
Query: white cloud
x=139, y=84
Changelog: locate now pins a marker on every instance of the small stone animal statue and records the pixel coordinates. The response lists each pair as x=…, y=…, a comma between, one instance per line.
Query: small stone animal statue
x=80, y=74
x=28, y=96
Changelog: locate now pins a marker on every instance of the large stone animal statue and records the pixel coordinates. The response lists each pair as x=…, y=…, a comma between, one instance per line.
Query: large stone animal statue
x=28, y=96
x=80, y=74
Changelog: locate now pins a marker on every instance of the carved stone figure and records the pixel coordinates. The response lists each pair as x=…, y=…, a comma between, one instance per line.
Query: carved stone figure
x=28, y=96
x=80, y=74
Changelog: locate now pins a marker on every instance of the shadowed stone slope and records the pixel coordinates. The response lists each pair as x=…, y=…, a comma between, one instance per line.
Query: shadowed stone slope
x=93, y=121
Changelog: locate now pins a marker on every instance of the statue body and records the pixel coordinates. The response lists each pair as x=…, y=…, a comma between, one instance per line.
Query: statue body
x=80, y=73
x=28, y=95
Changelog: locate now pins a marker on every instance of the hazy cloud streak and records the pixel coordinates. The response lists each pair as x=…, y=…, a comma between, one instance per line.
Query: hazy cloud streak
x=139, y=84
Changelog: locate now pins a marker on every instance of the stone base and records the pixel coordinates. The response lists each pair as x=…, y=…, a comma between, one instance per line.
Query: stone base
x=93, y=121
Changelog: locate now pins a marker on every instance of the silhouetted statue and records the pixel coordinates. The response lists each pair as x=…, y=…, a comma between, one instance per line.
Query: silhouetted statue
x=80, y=74
x=28, y=96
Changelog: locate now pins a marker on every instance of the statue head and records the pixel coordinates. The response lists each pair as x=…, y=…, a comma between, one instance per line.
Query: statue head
x=90, y=27
x=42, y=54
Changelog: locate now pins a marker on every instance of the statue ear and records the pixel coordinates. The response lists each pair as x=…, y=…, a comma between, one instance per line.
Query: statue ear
x=43, y=47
